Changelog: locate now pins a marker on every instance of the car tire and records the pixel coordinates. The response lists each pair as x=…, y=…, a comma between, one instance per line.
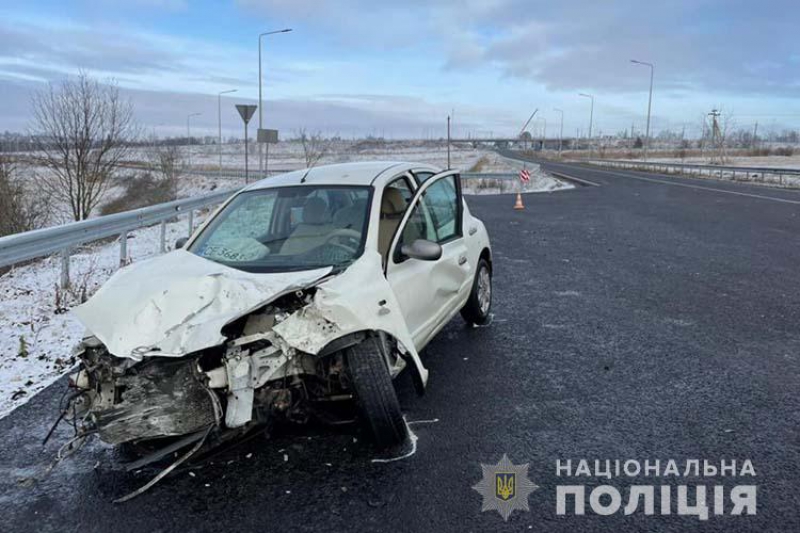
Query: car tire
x=477, y=310
x=375, y=395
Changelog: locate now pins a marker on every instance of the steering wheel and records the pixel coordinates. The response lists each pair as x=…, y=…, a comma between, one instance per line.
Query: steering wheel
x=344, y=233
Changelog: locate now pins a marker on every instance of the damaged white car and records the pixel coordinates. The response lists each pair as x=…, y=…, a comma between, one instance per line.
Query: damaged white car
x=300, y=298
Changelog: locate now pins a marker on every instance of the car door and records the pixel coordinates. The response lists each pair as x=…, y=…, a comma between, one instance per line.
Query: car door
x=429, y=292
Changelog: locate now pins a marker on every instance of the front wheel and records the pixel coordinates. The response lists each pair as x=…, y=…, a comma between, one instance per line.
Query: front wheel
x=375, y=395
x=479, y=305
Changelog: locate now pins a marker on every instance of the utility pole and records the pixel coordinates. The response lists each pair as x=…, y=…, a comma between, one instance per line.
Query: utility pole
x=591, y=117
x=560, y=131
x=448, y=142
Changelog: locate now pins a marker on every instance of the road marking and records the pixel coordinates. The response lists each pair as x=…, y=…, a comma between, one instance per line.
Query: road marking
x=701, y=187
x=573, y=178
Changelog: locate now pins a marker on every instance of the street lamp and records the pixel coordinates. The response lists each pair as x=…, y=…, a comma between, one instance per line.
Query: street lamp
x=260, y=104
x=189, y=136
x=561, y=131
x=591, y=117
x=649, y=102
x=544, y=132
x=219, y=125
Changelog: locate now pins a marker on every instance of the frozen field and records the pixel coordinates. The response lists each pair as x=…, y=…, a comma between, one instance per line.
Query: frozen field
x=289, y=155
x=773, y=161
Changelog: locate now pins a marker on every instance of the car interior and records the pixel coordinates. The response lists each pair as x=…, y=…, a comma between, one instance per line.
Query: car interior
x=393, y=205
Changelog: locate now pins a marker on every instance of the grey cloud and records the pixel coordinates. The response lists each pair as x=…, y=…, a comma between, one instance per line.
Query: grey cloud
x=708, y=45
x=729, y=46
x=84, y=48
x=394, y=115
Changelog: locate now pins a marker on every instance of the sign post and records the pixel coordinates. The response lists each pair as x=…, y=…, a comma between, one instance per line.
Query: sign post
x=267, y=137
x=246, y=112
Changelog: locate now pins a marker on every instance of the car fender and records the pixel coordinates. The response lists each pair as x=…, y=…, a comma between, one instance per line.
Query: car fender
x=357, y=300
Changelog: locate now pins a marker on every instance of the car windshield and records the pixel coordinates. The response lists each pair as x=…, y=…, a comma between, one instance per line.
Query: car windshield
x=288, y=228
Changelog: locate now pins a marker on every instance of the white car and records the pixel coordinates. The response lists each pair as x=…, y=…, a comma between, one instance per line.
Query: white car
x=301, y=297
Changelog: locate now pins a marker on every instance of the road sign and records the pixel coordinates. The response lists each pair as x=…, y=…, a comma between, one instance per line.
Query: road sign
x=246, y=111
x=267, y=136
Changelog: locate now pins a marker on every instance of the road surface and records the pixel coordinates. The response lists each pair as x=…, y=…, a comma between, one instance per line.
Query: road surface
x=647, y=318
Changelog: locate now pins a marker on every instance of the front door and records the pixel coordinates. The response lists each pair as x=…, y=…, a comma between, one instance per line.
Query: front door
x=429, y=292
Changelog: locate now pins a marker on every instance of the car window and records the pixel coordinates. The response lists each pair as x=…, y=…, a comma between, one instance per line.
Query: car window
x=288, y=228
x=422, y=177
x=402, y=185
x=435, y=216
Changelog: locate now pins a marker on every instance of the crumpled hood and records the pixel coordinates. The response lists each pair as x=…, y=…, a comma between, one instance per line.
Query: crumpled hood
x=178, y=303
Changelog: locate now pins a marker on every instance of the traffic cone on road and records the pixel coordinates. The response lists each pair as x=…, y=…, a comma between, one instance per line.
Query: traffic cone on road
x=519, y=205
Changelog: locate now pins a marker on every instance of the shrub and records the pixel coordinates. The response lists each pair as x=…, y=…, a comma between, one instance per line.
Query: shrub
x=142, y=190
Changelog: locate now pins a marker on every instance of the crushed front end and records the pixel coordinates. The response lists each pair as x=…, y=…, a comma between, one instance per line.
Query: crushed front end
x=253, y=379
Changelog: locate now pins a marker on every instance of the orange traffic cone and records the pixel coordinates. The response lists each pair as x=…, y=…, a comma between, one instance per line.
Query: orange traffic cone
x=518, y=204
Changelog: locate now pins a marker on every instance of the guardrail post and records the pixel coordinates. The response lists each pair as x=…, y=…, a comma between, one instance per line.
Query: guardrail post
x=191, y=222
x=163, y=236
x=123, y=249
x=65, y=268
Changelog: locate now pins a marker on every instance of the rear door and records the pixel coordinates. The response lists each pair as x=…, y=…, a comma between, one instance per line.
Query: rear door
x=431, y=292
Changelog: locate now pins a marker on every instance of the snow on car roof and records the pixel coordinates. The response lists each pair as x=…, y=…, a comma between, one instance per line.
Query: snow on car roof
x=362, y=173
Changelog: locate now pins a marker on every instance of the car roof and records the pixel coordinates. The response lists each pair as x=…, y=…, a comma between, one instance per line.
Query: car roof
x=362, y=173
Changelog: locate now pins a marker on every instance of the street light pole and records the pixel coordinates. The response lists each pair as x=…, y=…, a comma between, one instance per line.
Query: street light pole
x=591, y=117
x=260, y=104
x=219, y=125
x=189, y=136
x=561, y=131
x=649, y=103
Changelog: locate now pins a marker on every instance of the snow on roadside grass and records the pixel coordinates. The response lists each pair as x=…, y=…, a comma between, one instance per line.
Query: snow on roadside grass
x=540, y=181
x=38, y=331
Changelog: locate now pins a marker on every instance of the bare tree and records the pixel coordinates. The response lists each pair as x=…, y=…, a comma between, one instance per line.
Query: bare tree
x=84, y=131
x=314, y=147
x=20, y=209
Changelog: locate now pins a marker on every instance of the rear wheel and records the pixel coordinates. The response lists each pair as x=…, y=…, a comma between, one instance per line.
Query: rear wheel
x=375, y=395
x=479, y=305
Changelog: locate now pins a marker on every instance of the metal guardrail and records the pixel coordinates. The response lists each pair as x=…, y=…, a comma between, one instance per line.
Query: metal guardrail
x=63, y=239
x=489, y=175
x=757, y=174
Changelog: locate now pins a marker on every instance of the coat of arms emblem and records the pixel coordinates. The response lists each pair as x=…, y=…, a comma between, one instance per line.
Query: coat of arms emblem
x=505, y=487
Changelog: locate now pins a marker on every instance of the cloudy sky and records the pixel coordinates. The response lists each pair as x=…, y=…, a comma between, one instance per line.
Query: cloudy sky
x=358, y=67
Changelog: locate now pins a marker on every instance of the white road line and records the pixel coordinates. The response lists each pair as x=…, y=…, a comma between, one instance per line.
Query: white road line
x=691, y=186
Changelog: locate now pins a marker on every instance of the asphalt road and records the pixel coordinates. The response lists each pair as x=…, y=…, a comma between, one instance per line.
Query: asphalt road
x=645, y=318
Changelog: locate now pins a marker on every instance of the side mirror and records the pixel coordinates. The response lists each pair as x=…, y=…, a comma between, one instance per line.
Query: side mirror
x=422, y=250
x=180, y=243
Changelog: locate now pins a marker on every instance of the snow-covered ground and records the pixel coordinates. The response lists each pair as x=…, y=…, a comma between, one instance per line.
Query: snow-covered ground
x=540, y=181
x=39, y=332
x=289, y=155
x=772, y=161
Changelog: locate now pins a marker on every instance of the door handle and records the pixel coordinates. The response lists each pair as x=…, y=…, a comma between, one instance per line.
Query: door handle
x=473, y=230
x=462, y=260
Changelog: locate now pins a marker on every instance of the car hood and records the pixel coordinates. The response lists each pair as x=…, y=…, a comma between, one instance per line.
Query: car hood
x=178, y=303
